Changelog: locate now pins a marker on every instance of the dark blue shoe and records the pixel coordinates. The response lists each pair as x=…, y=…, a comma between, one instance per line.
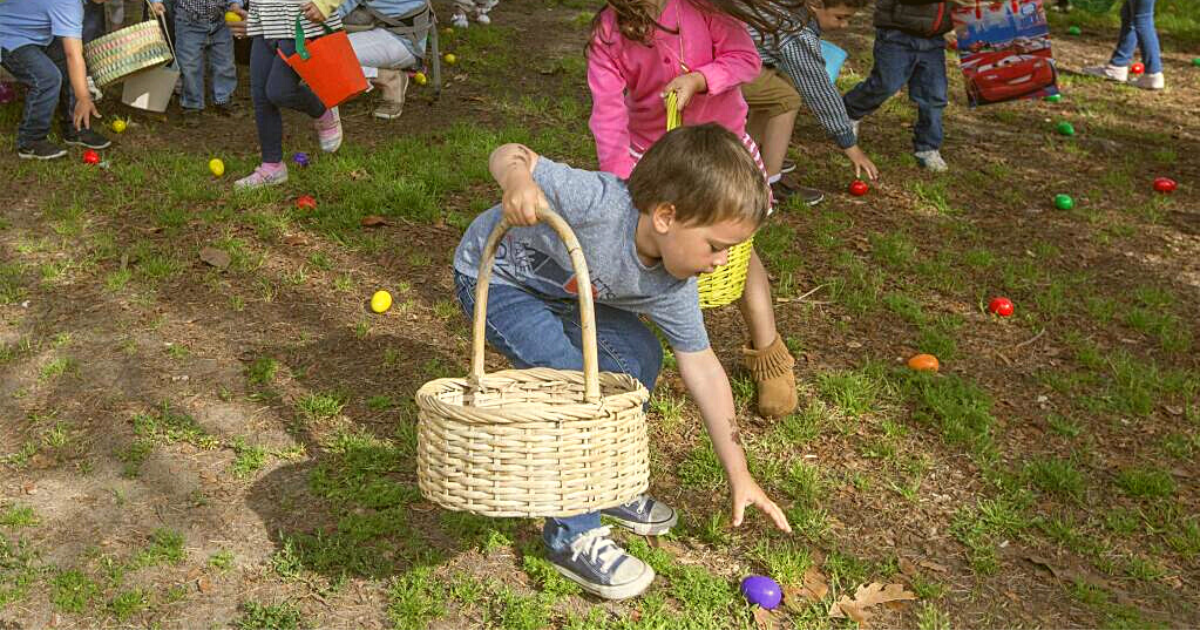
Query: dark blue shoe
x=644, y=516
x=601, y=567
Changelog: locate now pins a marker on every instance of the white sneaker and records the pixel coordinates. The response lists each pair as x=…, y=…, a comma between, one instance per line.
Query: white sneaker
x=483, y=19
x=931, y=160
x=1154, y=81
x=1109, y=71
x=459, y=20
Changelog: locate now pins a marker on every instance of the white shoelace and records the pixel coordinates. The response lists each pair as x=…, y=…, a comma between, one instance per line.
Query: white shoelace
x=597, y=547
x=641, y=502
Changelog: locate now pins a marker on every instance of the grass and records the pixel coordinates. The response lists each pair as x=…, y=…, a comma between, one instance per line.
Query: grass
x=257, y=616
x=1146, y=483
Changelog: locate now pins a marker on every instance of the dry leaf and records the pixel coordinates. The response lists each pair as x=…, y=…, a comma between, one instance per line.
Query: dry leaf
x=764, y=619
x=215, y=257
x=359, y=174
x=933, y=566
x=866, y=596
x=203, y=585
x=907, y=567
x=295, y=240
x=372, y=220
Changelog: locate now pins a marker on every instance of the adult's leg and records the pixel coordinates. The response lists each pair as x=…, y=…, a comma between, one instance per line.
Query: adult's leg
x=377, y=49
x=1127, y=41
x=1147, y=36
x=66, y=95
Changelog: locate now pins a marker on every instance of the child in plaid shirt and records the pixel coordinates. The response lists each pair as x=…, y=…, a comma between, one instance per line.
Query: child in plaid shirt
x=199, y=28
x=794, y=69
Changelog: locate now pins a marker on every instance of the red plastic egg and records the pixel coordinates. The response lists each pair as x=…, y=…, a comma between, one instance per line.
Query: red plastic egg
x=306, y=202
x=1001, y=306
x=91, y=157
x=859, y=188
x=1137, y=68
x=1165, y=185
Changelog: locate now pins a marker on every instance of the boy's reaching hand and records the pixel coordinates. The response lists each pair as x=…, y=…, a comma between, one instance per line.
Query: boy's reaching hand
x=746, y=492
x=861, y=163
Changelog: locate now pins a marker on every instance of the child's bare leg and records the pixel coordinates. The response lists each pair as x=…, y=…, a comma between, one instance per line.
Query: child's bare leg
x=767, y=359
x=756, y=126
x=755, y=304
x=777, y=135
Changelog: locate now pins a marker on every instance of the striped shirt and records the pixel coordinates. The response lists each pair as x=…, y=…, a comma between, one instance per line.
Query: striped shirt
x=276, y=19
x=797, y=53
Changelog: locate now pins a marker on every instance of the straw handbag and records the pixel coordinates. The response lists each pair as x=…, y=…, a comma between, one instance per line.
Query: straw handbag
x=726, y=283
x=124, y=52
x=535, y=442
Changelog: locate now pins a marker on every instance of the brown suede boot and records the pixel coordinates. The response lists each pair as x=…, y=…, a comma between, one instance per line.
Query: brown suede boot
x=392, y=84
x=772, y=371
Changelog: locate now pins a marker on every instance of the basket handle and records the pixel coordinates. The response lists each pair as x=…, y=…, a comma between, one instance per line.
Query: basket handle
x=587, y=313
x=162, y=22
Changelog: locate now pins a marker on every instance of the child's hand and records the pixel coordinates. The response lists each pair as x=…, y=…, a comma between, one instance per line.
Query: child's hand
x=746, y=492
x=521, y=203
x=84, y=110
x=862, y=163
x=313, y=14
x=685, y=86
x=238, y=28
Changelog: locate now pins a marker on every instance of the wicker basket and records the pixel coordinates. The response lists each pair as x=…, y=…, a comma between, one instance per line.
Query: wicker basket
x=124, y=52
x=727, y=282
x=535, y=442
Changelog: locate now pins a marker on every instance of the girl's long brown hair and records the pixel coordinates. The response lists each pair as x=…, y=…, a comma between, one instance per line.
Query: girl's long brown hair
x=636, y=18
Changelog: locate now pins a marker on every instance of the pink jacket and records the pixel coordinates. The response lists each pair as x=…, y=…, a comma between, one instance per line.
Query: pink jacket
x=627, y=78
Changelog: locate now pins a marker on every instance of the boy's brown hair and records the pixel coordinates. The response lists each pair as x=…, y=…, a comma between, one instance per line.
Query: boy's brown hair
x=706, y=172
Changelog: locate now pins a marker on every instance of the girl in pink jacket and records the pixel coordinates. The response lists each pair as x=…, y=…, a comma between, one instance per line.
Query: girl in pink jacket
x=639, y=52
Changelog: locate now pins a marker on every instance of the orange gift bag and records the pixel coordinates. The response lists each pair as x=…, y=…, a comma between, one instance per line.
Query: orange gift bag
x=327, y=65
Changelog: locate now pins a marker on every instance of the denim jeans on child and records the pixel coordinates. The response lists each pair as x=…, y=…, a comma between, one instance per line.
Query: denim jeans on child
x=535, y=332
x=44, y=70
x=1137, y=31
x=901, y=58
x=273, y=84
x=192, y=40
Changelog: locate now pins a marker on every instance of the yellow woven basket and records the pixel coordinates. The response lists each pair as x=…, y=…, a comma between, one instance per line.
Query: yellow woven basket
x=124, y=52
x=535, y=442
x=727, y=282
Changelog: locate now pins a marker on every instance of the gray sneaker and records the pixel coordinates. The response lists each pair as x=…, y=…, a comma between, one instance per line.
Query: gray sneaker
x=644, y=516
x=601, y=567
x=931, y=160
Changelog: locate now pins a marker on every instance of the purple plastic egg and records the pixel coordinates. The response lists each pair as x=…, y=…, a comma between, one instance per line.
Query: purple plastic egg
x=300, y=158
x=762, y=590
x=8, y=92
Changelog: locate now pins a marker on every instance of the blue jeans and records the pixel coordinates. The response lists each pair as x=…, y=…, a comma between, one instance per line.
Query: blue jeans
x=43, y=69
x=534, y=332
x=1137, y=31
x=901, y=58
x=273, y=84
x=192, y=40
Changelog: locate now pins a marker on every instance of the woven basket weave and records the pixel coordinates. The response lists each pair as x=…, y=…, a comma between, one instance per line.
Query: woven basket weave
x=727, y=282
x=535, y=442
x=124, y=52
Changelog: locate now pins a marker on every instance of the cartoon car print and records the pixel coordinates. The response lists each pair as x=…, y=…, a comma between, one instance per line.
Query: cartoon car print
x=1003, y=76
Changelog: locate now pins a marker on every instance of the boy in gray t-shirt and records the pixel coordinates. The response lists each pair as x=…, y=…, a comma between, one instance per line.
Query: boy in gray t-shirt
x=696, y=193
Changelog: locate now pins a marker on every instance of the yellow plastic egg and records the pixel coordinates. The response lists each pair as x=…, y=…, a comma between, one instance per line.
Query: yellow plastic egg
x=381, y=301
x=230, y=16
x=118, y=126
x=216, y=166
x=420, y=78
x=450, y=58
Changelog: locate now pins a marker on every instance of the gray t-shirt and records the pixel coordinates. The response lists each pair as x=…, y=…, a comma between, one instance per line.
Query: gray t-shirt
x=598, y=208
